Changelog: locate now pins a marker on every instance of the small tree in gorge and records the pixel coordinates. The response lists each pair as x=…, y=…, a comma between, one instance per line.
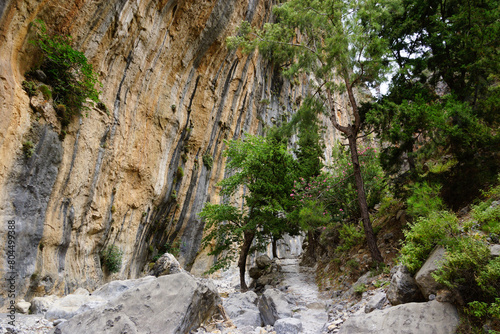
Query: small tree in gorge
x=265, y=168
x=331, y=40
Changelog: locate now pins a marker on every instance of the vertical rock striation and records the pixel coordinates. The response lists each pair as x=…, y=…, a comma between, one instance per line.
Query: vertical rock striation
x=134, y=176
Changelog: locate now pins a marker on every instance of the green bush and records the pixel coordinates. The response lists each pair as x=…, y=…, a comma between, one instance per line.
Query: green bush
x=68, y=72
x=488, y=278
x=180, y=172
x=350, y=236
x=28, y=148
x=352, y=263
x=423, y=235
x=487, y=214
x=313, y=215
x=424, y=200
x=47, y=93
x=336, y=189
x=465, y=257
x=29, y=87
x=481, y=309
x=208, y=161
x=360, y=288
x=112, y=258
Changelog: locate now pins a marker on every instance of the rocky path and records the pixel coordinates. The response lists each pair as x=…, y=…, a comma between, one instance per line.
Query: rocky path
x=300, y=286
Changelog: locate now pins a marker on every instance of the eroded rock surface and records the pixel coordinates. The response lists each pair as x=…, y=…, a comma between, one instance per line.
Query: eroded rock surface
x=425, y=318
x=144, y=309
x=427, y=284
x=403, y=288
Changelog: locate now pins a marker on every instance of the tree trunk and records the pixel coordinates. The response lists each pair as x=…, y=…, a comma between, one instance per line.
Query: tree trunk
x=311, y=247
x=363, y=205
x=275, y=248
x=242, y=262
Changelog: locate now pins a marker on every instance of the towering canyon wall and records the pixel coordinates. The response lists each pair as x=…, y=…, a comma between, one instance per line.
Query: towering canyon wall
x=132, y=176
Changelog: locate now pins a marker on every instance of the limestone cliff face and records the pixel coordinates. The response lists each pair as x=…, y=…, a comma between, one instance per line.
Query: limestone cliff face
x=133, y=177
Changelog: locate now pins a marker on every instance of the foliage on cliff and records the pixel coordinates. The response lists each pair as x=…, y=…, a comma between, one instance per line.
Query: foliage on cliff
x=68, y=72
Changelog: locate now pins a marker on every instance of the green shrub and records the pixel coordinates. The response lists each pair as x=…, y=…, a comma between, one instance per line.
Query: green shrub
x=360, y=288
x=29, y=87
x=424, y=200
x=483, y=310
x=68, y=72
x=112, y=258
x=423, y=235
x=180, y=172
x=352, y=263
x=313, y=215
x=487, y=215
x=488, y=278
x=28, y=148
x=336, y=189
x=47, y=93
x=173, y=248
x=463, y=260
x=350, y=236
x=208, y=161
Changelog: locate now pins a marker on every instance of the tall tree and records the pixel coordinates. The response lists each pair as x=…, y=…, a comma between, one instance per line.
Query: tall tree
x=330, y=40
x=444, y=98
x=265, y=168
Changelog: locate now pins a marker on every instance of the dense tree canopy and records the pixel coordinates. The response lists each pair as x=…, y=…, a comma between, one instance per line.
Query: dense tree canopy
x=264, y=170
x=330, y=40
x=442, y=110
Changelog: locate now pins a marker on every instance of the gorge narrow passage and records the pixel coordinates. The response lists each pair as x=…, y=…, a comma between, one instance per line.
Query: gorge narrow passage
x=303, y=291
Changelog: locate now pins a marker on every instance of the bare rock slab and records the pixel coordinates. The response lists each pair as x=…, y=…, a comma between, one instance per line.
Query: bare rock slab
x=175, y=303
x=71, y=305
x=423, y=318
x=114, y=289
x=243, y=310
x=424, y=279
x=274, y=305
x=288, y=326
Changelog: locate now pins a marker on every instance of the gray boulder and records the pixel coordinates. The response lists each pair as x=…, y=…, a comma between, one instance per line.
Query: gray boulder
x=71, y=305
x=242, y=309
x=424, y=279
x=81, y=291
x=376, y=302
x=23, y=306
x=167, y=264
x=267, y=275
x=176, y=303
x=288, y=326
x=403, y=288
x=115, y=288
x=423, y=318
x=495, y=250
x=255, y=272
x=273, y=305
x=263, y=261
x=40, y=305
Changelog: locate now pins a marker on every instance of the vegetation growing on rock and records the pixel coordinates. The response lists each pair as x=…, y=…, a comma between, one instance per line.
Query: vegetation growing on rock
x=68, y=72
